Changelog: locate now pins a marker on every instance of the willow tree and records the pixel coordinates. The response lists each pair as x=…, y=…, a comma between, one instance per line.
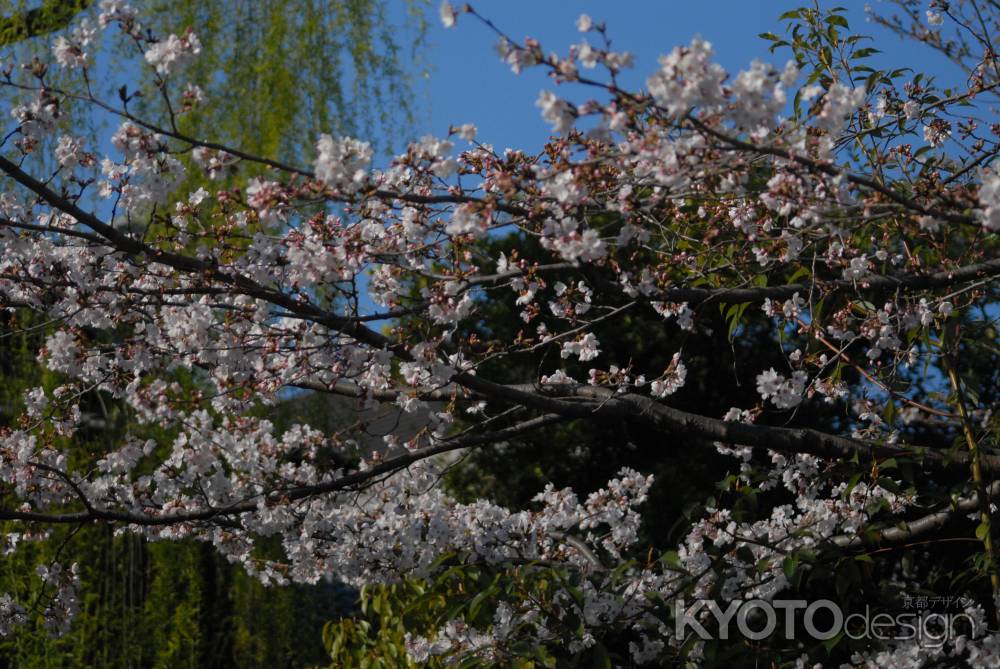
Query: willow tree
x=19, y=22
x=284, y=71
x=260, y=66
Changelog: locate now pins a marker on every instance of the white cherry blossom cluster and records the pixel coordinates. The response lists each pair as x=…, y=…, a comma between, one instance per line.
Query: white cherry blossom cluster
x=174, y=53
x=71, y=52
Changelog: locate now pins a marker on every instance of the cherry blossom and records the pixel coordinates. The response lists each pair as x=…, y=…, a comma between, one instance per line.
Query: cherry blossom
x=704, y=205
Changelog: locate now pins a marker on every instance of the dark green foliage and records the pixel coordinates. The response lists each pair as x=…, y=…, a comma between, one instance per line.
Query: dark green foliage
x=170, y=605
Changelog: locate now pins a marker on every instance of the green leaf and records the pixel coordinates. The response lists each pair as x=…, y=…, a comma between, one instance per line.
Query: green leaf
x=838, y=20
x=800, y=273
x=672, y=560
x=831, y=643
x=577, y=596
x=851, y=484
x=789, y=566
x=478, y=601
x=817, y=310
x=889, y=484
x=865, y=52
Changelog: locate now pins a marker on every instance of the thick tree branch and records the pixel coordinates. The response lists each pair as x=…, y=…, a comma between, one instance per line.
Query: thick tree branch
x=579, y=401
x=593, y=403
x=876, y=283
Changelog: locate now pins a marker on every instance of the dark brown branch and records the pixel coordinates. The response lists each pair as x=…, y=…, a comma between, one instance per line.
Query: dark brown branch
x=579, y=401
x=593, y=403
x=871, y=284
x=348, y=389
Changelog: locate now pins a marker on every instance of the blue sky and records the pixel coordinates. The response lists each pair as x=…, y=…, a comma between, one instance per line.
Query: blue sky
x=469, y=84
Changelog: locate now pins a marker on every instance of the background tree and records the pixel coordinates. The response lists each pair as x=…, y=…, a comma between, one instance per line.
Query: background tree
x=20, y=23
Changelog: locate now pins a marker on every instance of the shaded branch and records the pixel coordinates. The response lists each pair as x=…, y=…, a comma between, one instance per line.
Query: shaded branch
x=579, y=401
